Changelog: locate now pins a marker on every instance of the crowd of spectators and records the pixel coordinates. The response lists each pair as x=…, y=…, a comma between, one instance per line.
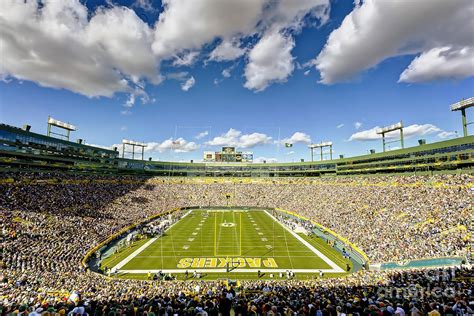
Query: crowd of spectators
x=50, y=221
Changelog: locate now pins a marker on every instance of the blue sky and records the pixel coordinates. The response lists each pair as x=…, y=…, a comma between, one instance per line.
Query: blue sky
x=319, y=94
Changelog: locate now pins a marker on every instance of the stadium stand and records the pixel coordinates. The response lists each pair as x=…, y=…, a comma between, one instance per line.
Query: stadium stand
x=57, y=203
x=24, y=149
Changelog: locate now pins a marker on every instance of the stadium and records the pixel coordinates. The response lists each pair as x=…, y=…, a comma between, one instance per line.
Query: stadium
x=217, y=220
x=112, y=228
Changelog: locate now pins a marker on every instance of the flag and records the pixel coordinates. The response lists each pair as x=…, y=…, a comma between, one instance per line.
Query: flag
x=288, y=145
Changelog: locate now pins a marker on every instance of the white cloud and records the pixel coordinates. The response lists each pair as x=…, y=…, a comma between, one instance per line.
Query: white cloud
x=290, y=153
x=265, y=159
x=130, y=101
x=370, y=134
x=357, y=125
x=297, y=137
x=226, y=73
x=60, y=44
x=270, y=61
x=123, y=128
x=408, y=131
x=227, y=50
x=307, y=72
x=178, y=145
x=191, y=24
x=340, y=125
x=445, y=134
x=290, y=14
x=376, y=30
x=188, y=84
x=202, y=134
x=56, y=45
x=235, y=138
x=440, y=63
x=419, y=130
x=186, y=59
x=145, y=5
x=180, y=76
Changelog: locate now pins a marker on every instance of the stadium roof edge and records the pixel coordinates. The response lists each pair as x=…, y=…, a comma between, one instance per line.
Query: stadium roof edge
x=22, y=131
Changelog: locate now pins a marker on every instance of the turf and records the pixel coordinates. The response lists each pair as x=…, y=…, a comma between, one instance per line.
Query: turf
x=210, y=239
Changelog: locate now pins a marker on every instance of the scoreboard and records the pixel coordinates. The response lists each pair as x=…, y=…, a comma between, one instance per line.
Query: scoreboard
x=228, y=154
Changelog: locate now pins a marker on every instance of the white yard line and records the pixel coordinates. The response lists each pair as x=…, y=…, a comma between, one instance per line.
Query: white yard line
x=288, y=250
x=143, y=247
x=134, y=254
x=334, y=266
x=237, y=270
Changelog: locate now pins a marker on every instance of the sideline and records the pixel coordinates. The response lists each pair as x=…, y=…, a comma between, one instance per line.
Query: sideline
x=143, y=247
x=236, y=270
x=334, y=266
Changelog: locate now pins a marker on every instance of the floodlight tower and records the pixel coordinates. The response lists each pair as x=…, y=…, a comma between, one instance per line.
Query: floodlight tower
x=133, y=144
x=311, y=148
x=61, y=125
x=462, y=106
x=391, y=128
x=321, y=146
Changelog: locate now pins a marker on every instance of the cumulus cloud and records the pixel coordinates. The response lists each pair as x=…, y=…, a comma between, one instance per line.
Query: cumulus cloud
x=265, y=159
x=445, y=134
x=270, y=60
x=56, y=45
x=188, y=84
x=439, y=30
x=235, y=138
x=227, y=50
x=202, y=134
x=61, y=44
x=178, y=145
x=297, y=137
x=189, y=25
x=440, y=63
x=408, y=131
x=145, y=5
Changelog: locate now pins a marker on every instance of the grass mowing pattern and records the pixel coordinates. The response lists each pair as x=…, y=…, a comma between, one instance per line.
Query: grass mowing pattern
x=210, y=235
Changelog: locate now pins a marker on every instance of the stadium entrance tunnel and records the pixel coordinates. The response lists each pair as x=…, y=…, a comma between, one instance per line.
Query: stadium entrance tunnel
x=223, y=242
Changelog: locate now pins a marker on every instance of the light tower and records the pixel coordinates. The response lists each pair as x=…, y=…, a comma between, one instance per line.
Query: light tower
x=321, y=146
x=391, y=128
x=61, y=125
x=133, y=144
x=462, y=106
x=311, y=148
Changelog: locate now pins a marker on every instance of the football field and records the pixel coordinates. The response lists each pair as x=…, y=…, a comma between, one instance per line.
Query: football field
x=217, y=242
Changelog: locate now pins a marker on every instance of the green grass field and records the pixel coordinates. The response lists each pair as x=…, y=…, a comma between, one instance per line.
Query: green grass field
x=220, y=243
